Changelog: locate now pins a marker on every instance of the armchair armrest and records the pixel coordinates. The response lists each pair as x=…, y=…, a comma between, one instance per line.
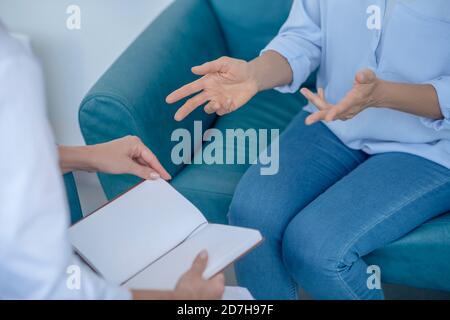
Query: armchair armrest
x=129, y=99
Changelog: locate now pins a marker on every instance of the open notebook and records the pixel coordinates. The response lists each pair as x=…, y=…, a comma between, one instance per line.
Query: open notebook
x=148, y=238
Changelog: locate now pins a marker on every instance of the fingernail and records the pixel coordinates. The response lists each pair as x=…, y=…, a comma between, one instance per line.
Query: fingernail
x=154, y=176
x=203, y=254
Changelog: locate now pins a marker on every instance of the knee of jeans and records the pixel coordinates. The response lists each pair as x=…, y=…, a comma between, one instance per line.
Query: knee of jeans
x=248, y=211
x=307, y=251
x=244, y=212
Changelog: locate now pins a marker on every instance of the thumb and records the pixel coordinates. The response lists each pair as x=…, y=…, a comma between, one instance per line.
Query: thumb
x=200, y=263
x=211, y=67
x=365, y=76
x=142, y=171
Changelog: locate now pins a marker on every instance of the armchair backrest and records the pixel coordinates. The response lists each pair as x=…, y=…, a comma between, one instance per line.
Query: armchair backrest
x=129, y=99
x=249, y=25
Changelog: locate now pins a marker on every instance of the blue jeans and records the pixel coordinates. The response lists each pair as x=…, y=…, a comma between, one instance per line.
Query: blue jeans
x=328, y=207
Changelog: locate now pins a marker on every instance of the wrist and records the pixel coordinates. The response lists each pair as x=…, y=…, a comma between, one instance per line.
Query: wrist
x=77, y=158
x=255, y=81
x=379, y=96
x=153, y=295
x=89, y=159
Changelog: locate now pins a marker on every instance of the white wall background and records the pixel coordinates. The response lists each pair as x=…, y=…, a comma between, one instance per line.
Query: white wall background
x=74, y=59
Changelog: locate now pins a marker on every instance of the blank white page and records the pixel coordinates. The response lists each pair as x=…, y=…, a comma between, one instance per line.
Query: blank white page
x=128, y=234
x=224, y=244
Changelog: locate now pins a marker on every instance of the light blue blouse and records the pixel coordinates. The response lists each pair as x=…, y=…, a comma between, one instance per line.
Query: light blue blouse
x=414, y=47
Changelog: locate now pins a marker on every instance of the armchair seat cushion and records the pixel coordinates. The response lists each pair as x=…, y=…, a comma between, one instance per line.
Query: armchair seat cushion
x=420, y=259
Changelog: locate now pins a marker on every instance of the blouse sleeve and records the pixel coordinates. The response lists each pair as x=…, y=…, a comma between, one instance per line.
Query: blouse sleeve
x=299, y=41
x=442, y=86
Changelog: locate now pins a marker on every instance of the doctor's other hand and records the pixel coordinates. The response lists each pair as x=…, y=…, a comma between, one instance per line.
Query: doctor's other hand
x=127, y=155
x=363, y=95
x=192, y=286
x=225, y=86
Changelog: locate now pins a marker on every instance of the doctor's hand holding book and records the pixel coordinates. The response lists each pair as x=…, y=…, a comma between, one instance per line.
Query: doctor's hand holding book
x=191, y=286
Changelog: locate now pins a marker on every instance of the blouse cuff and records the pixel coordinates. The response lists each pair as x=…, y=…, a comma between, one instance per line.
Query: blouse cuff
x=442, y=86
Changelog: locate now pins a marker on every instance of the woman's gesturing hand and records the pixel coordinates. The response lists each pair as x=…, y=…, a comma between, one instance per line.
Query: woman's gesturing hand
x=361, y=97
x=227, y=84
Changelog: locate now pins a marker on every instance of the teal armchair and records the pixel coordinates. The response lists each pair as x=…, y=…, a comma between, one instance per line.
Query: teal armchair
x=129, y=99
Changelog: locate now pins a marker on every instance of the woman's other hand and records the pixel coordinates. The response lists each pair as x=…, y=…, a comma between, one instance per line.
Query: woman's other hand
x=362, y=96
